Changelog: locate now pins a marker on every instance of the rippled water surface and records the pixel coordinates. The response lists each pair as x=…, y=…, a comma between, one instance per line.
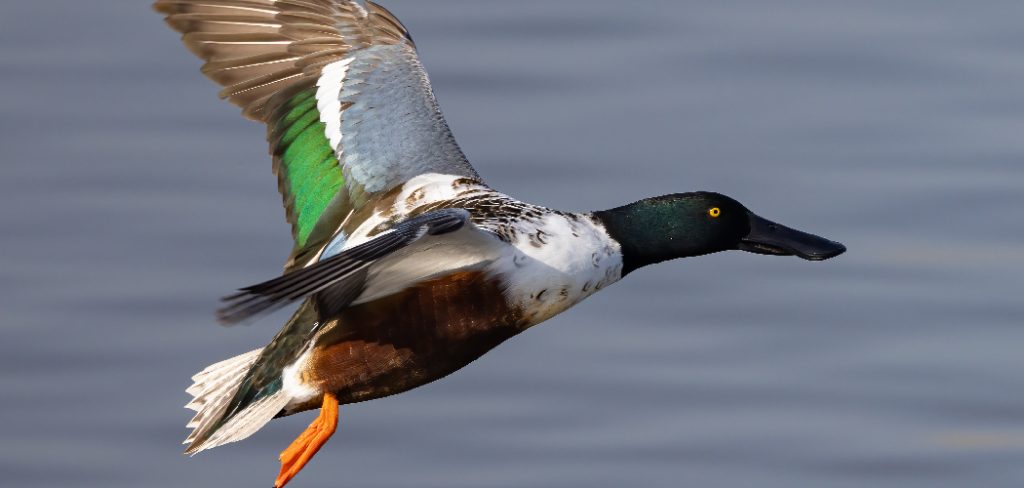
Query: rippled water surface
x=131, y=199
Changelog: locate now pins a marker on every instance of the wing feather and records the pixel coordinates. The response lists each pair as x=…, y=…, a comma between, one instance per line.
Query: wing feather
x=273, y=59
x=341, y=272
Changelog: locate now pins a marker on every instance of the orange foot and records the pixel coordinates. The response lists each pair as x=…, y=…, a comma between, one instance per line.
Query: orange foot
x=309, y=442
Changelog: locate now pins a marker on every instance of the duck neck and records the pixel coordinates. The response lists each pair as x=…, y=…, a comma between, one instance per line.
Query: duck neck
x=650, y=231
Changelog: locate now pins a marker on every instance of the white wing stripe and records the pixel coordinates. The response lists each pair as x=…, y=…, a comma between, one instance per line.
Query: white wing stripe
x=328, y=99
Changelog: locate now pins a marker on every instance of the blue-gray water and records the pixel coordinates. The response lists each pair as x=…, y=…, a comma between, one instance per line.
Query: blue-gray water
x=131, y=199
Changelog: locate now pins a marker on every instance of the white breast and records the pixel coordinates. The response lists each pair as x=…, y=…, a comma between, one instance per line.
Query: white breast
x=557, y=262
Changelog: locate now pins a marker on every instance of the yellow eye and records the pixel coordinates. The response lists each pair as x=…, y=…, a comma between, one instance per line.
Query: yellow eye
x=715, y=212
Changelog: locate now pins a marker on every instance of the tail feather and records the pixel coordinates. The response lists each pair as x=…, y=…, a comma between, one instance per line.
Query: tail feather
x=243, y=424
x=212, y=390
x=215, y=387
x=217, y=379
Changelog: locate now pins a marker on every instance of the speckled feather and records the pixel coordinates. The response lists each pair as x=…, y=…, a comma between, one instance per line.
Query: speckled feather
x=421, y=318
x=535, y=262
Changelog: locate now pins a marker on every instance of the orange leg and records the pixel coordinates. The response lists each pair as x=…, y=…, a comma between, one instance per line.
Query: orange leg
x=309, y=442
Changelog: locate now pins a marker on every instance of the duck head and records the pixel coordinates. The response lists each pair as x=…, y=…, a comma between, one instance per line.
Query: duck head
x=693, y=224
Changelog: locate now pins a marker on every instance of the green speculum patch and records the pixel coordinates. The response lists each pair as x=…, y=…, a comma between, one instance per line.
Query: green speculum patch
x=308, y=166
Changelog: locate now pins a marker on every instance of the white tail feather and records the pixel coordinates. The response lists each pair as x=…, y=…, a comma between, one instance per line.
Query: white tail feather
x=212, y=390
x=245, y=423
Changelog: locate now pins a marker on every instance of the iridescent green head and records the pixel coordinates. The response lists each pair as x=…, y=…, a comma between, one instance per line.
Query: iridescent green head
x=693, y=224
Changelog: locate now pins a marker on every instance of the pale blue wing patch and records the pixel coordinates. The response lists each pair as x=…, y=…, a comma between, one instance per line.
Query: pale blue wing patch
x=389, y=127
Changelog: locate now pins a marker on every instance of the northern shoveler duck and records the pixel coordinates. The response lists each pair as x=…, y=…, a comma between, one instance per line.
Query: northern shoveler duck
x=407, y=265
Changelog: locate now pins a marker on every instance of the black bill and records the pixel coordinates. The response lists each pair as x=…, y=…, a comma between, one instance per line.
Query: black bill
x=767, y=237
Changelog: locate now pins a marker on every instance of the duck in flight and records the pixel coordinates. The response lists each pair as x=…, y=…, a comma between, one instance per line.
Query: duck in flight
x=406, y=265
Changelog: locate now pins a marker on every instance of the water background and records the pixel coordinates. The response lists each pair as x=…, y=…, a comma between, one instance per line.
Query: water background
x=131, y=199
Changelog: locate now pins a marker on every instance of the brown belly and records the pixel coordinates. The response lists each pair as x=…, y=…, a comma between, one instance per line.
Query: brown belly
x=411, y=338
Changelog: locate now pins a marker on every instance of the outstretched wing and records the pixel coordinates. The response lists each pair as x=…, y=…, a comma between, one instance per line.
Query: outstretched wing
x=349, y=109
